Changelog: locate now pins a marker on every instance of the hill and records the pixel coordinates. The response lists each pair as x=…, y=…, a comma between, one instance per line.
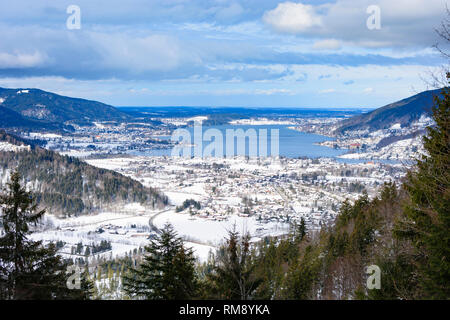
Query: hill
x=12, y=119
x=403, y=112
x=68, y=186
x=46, y=109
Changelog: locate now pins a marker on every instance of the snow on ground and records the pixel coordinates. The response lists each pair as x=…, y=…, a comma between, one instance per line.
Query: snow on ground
x=207, y=231
x=111, y=164
x=125, y=231
x=260, y=122
x=196, y=189
x=177, y=198
x=201, y=251
x=399, y=150
x=76, y=153
x=6, y=146
x=104, y=217
x=197, y=119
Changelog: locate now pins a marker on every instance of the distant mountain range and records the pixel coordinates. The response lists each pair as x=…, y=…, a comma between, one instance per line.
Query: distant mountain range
x=34, y=108
x=403, y=112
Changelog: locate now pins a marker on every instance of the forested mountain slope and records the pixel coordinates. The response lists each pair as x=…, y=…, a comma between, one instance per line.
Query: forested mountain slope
x=68, y=186
x=48, y=109
x=403, y=112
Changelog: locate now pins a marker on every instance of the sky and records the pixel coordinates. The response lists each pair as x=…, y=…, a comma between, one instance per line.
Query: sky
x=256, y=53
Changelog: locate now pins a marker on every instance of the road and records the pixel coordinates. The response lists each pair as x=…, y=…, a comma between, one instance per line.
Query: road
x=150, y=221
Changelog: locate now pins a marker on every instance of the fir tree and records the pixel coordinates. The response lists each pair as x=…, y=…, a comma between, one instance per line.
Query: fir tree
x=299, y=231
x=28, y=270
x=167, y=270
x=234, y=275
x=427, y=216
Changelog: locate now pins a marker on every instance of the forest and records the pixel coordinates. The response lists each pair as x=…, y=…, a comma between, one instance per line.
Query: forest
x=67, y=186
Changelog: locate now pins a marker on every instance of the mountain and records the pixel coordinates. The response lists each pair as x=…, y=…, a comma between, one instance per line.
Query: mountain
x=403, y=112
x=46, y=109
x=12, y=119
x=68, y=186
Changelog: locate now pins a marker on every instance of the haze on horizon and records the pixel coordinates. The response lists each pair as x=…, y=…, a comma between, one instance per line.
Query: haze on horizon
x=222, y=53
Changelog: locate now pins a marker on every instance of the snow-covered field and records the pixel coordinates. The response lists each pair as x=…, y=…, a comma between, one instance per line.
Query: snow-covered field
x=8, y=147
x=260, y=122
x=209, y=231
x=125, y=231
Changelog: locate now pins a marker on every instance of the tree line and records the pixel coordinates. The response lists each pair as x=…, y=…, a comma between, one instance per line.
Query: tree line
x=69, y=186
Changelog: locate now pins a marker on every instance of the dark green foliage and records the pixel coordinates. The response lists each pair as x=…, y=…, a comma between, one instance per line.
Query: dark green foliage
x=104, y=245
x=188, y=203
x=303, y=275
x=233, y=276
x=69, y=186
x=426, y=222
x=331, y=264
x=167, y=271
x=299, y=230
x=11, y=119
x=28, y=270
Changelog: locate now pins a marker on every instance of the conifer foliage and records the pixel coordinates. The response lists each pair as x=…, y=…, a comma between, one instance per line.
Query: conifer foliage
x=427, y=216
x=233, y=276
x=167, y=271
x=28, y=269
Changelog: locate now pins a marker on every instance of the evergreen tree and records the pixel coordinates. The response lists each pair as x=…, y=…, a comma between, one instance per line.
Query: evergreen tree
x=28, y=270
x=167, y=270
x=303, y=276
x=427, y=216
x=87, y=287
x=234, y=275
x=299, y=231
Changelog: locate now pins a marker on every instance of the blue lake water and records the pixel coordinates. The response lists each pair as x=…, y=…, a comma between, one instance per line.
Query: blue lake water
x=292, y=143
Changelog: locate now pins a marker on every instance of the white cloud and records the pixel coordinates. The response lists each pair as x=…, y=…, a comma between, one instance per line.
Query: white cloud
x=327, y=44
x=404, y=23
x=292, y=17
x=411, y=9
x=327, y=91
x=272, y=91
x=138, y=54
x=21, y=60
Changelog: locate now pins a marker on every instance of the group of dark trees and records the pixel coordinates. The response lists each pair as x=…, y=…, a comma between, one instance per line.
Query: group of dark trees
x=187, y=204
x=69, y=186
x=28, y=269
x=93, y=248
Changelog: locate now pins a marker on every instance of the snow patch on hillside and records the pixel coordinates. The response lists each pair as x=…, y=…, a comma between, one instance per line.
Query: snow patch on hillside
x=9, y=147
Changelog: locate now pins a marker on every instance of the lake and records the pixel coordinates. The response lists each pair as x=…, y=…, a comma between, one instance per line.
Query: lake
x=292, y=143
